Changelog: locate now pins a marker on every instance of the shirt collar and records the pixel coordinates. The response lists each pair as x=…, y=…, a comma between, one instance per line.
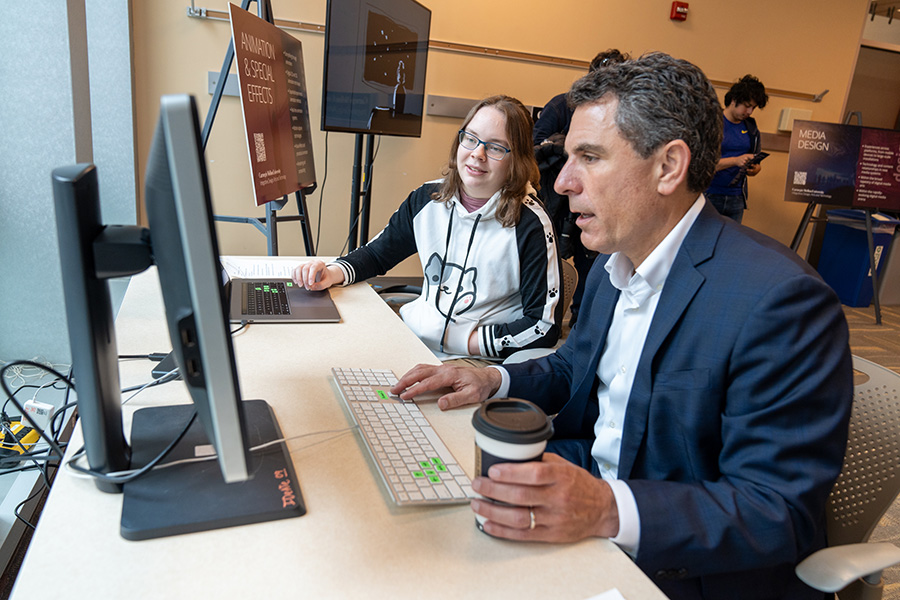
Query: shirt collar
x=655, y=268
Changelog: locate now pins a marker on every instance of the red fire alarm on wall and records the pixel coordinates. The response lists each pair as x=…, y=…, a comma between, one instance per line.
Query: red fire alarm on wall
x=679, y=11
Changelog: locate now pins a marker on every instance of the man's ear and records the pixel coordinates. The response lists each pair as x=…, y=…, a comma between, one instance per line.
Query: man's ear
x=674, y=160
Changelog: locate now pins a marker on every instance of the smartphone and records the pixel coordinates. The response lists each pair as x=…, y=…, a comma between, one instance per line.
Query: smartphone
x=757, y=158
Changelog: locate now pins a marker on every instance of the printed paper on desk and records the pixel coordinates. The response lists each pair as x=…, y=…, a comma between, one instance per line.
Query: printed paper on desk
x=612, y=594
x=257, y=268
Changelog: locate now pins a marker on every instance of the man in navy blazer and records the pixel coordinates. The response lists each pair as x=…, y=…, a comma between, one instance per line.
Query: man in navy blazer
x=702, y=401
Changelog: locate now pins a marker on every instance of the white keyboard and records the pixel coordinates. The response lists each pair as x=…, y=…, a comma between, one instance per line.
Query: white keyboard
x=414, y=464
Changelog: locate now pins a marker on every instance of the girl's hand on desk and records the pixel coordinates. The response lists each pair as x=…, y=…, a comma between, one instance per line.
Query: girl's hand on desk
x=316, y=275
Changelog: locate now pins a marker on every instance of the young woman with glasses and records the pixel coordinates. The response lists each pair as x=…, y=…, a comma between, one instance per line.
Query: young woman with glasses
x=492, y=282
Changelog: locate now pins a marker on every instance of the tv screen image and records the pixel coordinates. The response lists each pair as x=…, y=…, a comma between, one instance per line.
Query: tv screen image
x=376, y=53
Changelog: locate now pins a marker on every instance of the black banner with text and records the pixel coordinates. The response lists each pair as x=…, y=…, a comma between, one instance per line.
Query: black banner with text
x=274, y=104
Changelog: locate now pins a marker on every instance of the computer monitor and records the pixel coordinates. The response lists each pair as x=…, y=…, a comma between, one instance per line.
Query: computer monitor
x=242, y=486
x=185, y=250
x=375, y=57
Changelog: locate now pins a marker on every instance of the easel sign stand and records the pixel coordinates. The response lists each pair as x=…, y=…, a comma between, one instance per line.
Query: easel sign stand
x=801, y=230
x=268, y=225
x=844, y=165
x=872, y=264
x=304, y=164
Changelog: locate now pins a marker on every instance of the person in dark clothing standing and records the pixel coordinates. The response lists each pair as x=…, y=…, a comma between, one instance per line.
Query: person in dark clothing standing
x=556, y=114
x=740, y=142
x=549, y=137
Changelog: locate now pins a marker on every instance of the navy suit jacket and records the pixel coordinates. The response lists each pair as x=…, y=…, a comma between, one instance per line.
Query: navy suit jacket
x=737, y=421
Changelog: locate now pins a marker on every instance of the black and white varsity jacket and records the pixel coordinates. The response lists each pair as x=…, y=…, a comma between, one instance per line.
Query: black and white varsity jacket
x=504, y=282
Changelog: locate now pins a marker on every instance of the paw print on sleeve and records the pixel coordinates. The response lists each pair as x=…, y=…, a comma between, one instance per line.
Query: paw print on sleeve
x=550, y=238
x=553, y=293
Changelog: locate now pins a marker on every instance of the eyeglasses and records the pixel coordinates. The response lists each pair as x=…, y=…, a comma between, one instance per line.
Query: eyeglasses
x=492, y=150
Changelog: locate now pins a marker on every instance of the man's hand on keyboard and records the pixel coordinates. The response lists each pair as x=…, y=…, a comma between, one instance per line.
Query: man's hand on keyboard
x=468, y=385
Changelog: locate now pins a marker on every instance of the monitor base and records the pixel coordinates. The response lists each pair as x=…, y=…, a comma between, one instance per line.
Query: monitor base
x=193, y=497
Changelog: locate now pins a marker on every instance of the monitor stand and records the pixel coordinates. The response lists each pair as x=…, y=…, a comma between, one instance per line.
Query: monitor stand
x=194, y=497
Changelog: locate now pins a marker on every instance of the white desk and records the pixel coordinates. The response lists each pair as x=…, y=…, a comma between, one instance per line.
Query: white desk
x=351, y=543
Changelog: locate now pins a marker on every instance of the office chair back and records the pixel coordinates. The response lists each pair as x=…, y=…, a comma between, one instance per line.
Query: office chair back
x=569, y=283
x=870, y=478
x=397, y=295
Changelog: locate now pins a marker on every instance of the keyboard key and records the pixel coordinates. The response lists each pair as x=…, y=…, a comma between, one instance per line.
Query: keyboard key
x=266, y=298
x=454, y=489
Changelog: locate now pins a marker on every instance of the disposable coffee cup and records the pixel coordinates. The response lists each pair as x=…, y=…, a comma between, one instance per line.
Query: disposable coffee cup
x=508, y=430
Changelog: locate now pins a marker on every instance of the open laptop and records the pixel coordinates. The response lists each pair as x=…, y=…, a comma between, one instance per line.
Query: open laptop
x=267, y=300
x=277, y=300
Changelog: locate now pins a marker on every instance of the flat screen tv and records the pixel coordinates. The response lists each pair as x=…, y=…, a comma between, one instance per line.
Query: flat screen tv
x=243, y=485
x=375, y=57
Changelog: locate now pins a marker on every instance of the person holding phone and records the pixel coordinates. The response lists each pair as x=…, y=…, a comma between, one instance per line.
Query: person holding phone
x=740, y=147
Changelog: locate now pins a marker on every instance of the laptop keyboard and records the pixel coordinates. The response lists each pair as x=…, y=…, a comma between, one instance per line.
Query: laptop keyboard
x=266, y=298
x=414, y=464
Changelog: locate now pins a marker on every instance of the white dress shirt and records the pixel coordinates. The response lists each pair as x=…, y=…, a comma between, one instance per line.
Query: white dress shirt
x=640, y=291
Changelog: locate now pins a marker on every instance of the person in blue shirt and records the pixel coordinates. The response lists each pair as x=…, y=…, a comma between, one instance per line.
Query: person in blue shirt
x=740, y=142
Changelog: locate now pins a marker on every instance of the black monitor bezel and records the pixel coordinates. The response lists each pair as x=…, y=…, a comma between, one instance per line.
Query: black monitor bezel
x=338, y=8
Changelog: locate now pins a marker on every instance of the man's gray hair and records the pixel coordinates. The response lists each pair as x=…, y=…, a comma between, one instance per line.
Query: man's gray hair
x=660, y=99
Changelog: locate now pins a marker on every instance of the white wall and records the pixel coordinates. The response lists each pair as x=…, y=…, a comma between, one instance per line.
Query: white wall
x=46, y=118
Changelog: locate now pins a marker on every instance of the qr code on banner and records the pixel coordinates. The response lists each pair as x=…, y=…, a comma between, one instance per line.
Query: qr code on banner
x=260, y=141
x=799, y=177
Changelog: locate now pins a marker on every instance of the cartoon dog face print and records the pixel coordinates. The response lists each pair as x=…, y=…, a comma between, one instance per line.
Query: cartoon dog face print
x=451, y=289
